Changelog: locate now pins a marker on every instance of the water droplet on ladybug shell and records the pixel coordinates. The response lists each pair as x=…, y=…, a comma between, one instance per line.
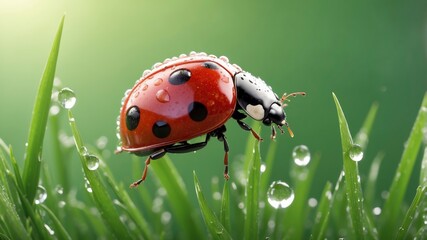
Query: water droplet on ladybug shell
x=224, y=58
x=163, y=96
x=158, y=81
x=144, y=87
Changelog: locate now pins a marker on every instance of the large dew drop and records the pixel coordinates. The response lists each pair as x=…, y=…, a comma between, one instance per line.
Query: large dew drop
x=301, y=155
x=67, y=98
x=41, y=195
x=280, y=195
x=355, y=152
x=92, y=161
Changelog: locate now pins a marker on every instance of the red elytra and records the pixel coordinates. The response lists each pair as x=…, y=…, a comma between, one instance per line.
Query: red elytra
x=159, y=100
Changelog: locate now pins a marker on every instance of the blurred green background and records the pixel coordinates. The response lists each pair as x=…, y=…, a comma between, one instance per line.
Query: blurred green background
x=364, y=51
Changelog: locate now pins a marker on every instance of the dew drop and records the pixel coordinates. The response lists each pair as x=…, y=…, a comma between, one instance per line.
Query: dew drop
x=355, y=152
x=41, y=195
x=224, y=58
x=101, y=142
x=158, y=81
x=59, y=190
x=376, y=211
x=61, y=204
x=87, y=185
x=163, y=96
x=67, y=98
x=54, y=110
x=144, y=87
x=49, y=230
x=301, y=155
x=280, y=195
x=92, y=161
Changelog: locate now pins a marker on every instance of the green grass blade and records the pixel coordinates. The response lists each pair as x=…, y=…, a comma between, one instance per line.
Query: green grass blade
x=178, y=198
x=352, y=183
x=60, y=231
x=303, y=180
x=391, y=210
x=214, y=226
x=99, y=191
x=362, y=136
x=372, y=180
x=252, y=195
x=36, y=220
x=322, y=214
x=39, y=117
x=410, y=214
x=10, y=218
x=423, y=172
x=269, y=162
x=127, y=203
x=18, y=178
x=256, y=125
x=225, y=206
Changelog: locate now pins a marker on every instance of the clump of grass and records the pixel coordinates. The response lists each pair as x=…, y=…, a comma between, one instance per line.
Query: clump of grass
x=33, y=204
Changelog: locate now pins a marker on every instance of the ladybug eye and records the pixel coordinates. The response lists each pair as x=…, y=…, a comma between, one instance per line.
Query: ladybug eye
x=132, y=118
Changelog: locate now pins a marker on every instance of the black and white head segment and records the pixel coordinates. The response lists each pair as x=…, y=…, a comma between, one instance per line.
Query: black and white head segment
x=258, y=100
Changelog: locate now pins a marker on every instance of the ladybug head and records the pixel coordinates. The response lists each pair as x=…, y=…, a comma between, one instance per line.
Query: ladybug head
x=259, y=101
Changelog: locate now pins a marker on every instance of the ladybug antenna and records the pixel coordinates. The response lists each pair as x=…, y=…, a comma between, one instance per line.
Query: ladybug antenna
x=286, y=96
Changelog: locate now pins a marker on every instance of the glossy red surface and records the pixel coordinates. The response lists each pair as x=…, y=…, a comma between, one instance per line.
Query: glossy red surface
x=158, y=100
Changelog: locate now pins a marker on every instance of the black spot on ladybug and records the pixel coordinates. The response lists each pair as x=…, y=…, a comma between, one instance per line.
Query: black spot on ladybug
x=132, y=118
x=210, y=65
x=197, y=111
x=161, y=129
x=179, y=76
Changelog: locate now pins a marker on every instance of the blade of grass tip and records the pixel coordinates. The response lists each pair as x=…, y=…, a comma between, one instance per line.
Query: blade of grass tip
x=298, y=210
x=178, y=198
x=100, y=194
x=352, y=183
x=225, y=206
x=322, y=214
x=362, y=136
x=410, y=214
x=251, y=227
x=392, y=205
x=15, y=166
x=39, y=120
x=214, y=226
x=59, y=229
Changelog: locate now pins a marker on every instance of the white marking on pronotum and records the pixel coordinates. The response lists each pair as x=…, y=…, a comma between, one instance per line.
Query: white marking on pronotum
x=257, y=111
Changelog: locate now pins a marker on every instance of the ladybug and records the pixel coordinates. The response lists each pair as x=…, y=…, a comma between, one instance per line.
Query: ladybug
x=190, y=96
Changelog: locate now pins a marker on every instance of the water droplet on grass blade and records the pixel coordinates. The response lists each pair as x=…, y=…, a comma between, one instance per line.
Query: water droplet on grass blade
x=41, y=195
x=280, y=195
x=92, y=161
x=355, y=152
x=67, y=98
x=301, y=155
x=87, y=185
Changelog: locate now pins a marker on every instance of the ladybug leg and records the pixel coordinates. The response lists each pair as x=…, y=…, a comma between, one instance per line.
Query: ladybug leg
x=222, y=138
x=153, y=156
x=186, y=147
x=246, y=127
x=273, y=133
